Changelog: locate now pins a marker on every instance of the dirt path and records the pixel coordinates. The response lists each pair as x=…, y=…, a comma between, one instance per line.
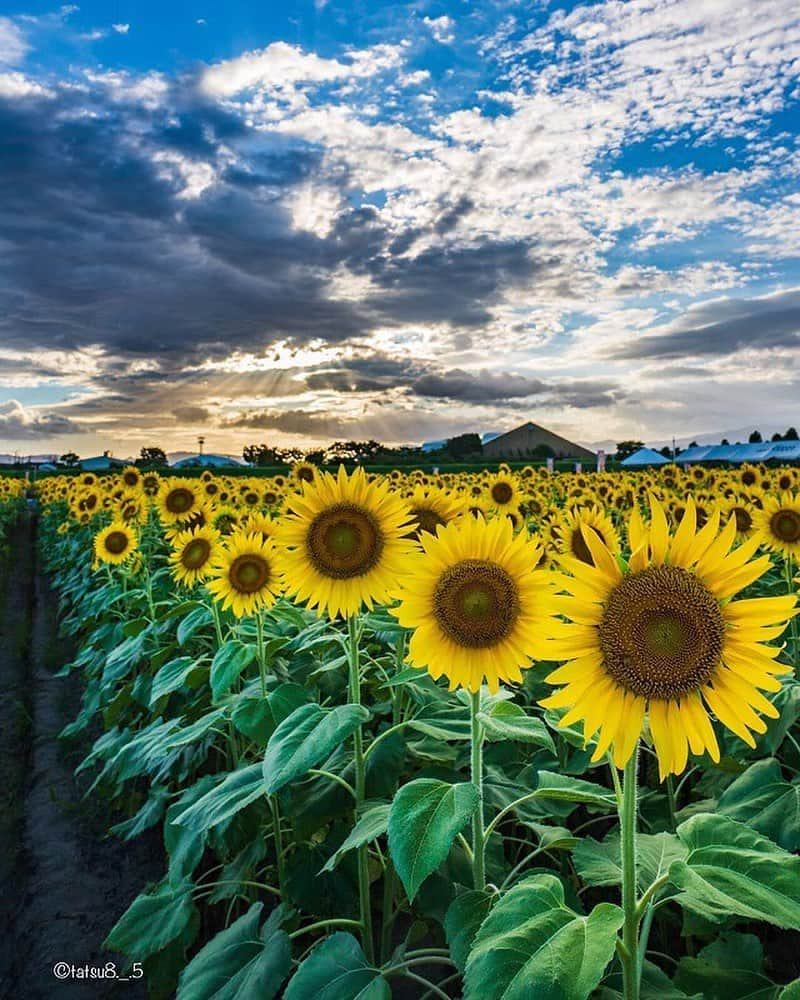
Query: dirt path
x=62, y=886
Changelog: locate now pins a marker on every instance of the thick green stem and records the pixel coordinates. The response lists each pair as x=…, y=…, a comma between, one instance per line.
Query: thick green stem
x=277, y=836
x=476, y=772
x=788, y=568
x=217, y=622
x=365, y=907
x=262, y=665
x=629, y=954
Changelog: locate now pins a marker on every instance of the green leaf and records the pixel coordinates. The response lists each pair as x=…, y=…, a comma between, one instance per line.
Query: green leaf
x=425, y=817
x=237, y=791
x=463, y=918
x=242, y=961
x=598, y=862
x=229, y=661
x=305, y=738
x=372, y=825
x=171, y=677
x=337, y=970
x=727, y=969
x=507, y=721
x=192, y=622
x=152, y=921
x=258, y=718
x=442, y=723
x=562, y=787
x=763, y=799
x=732, y=870
x=533, y=945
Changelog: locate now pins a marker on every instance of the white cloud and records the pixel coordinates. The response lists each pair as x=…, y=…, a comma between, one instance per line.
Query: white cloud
x=121, y=29
x=441, y=28
x=18, y=85
x=13, y=44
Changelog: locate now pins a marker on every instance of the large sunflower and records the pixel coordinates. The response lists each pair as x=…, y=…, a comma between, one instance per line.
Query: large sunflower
x=778, y=524
x=245, y=574
x=115, y=543
x=193, y=554
x=476, y=602
x=343, y=542
x=662, y=636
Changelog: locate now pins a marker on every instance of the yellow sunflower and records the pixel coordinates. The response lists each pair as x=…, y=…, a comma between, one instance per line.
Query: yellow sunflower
x=343, y=542
x=502, y=492
x=245, y=574
x=432, y=507
x=193, y=553
x=176, y=499
x=476, y=602
x=778, y=524
x=570, y=532
x=115, y=543
x=663, y=636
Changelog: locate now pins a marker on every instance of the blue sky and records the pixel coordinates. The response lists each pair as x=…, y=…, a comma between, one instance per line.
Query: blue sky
x=313, y=221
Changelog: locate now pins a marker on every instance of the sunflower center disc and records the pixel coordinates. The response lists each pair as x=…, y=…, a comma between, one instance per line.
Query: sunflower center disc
x=196, y=553
x=785, y=525
x=117, y=542
x=427, y=520
x=476, y=603
x=179, y=500
x=579, y=547
x=662, y=633
x=306, y=474
x=248, y=573
x=344, y=541
x=744, y=521
x=501, y=493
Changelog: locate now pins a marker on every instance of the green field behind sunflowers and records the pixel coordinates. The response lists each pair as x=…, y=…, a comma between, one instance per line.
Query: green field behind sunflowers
x=509, y=735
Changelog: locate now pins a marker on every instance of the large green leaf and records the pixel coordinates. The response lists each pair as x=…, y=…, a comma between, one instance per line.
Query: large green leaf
x=192, y=622
x=728, y=969
x=463, y=918
x=732, y=870
x=241, y=962
x=533, y=945
x=152, y=920
x=425, y=817
x=507, y=721
x=305, y=738
x=763, y=799
x=171, y=677
x=564, y=788
x=229, y=661
x=373, y=824
x=337, y=970
x=236, y=791
x=598, y=862
x=258, y=718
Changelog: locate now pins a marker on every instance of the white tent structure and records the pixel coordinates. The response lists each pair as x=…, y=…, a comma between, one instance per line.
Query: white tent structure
x=643, y=457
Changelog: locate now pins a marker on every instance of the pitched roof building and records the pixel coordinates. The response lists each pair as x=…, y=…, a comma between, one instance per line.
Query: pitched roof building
x=524, y=441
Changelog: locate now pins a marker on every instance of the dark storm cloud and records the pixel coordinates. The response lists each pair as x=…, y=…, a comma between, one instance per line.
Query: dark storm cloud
x=721, y=328
x=191, y=414
x=499, y=388
x=294, y=422
x=17, y=424
x=107, y=244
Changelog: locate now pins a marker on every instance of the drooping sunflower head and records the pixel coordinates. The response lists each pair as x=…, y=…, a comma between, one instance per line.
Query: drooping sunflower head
x=245, y=574
x=193, y=553
x=778, y=524
x=476, y=602
x=115, y=543
x=176, y=500
x=662, y=636
x=432, y=508
x=344, y=544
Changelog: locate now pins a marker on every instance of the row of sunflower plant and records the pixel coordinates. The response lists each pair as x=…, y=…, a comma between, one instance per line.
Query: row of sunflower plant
x=485, y=735
x=12, y=502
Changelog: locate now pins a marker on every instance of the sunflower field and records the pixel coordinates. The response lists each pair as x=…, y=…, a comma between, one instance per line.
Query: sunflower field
x=499, y=736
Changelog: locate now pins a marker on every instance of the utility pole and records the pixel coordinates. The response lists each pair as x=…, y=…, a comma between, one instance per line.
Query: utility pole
x=200, y=442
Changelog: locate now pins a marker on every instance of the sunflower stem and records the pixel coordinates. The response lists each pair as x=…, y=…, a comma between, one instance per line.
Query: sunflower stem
x=277, y=836
x=629, y=953
x=365, y=908
x=788, y=569
x=217, y=622
x=262, y=665
x=476, y=773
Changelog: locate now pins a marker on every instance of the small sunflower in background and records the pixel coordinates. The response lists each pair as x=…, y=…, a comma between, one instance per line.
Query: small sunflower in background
x=745, y=514
x=343, y=542
x=663, y=637
x=115, y=543
x=476, y=602
x=778, y=524
x=131, y=477
x=431, y=508
x=193, y=553
x=502, y=492
x=176, y=499
x=245, y=574
x=304, y=472
x=570, y=532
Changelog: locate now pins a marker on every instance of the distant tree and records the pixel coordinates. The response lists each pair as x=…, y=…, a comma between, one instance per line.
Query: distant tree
x=694, y=445
x=725, y=441
x=261, y=455
x=627, y=448
x=463, y=445
x=353, y=451
x=69, y=459
x=776, y=437
x=152, y=456
x=315, y=457
x=755, y=438
x=791, y=435
x=666, y=451
x=542, y=451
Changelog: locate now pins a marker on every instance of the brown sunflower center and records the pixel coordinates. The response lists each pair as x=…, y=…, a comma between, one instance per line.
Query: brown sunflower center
x=502, y=493
x=476, y=603
x=785, y=525
x=427, y=520
x=196, y=553
x=344, y=541
x=116, y=542
x=306, y=474
x=179, y=500
x=662, y=633
x=248, y=573
x=744, y=522
x=579, y=547
x=748, y=477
